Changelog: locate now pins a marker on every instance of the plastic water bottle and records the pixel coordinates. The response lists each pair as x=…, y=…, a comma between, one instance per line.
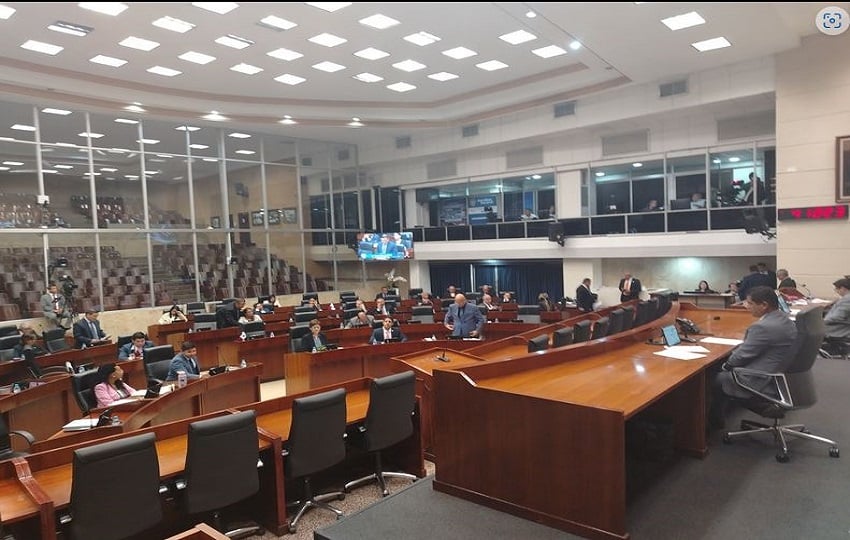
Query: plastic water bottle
x=181, y=379
x=243, y=363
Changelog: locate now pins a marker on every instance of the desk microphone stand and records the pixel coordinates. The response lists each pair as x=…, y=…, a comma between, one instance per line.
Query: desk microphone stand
x=442, y=357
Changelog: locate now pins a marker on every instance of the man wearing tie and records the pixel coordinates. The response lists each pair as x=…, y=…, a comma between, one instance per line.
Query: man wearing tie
x=87, y=331
x=386, y=248
x=387, y=333
x=54, y=308
x=381, y=309
x=463, y=319
x=136, y=348
x=629, y=288
x=186, y=360
x=585, y=298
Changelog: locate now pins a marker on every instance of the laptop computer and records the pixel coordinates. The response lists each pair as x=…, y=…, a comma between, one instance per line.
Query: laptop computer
x=671, y=336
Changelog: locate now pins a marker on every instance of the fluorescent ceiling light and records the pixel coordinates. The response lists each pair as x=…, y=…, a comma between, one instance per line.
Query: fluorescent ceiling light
x=139, y=43
x=6, y=11
x=107, y=8
x=379, y=21
x=164, y=71
x=131, y=176
x=63, y=166
x=217, y=7
x=734, y=159
x=329, y=67
x=210, y=159
x=134, y=108
x=491, y=65
x=13, y=163
x=187, y=128
x=215, y=116
x=459, y=53
x=246, y=152
x=330, y=7
x=196, y=57
x=90, y=135
x=285, y=54
x=520, y=36
x=328, y=40
x=198, y=146
x=372, y=53
x=278, y=23
x=247, y=69
x=711, y=44
x=107, y=61
x=367, y=77
x=401, y=87
x=600, y=174
x=45, y=48
x=148, y=141
x=126, y=121
x=4, y=168
x=637, y=165
x=549, y=51
x=107, y=169
x=23, y=127
x=409, y=65
x=237, y=135
x=686, y=20
x=60, y=112
x=442, y=76
x=175, y=25
x=70, y=28
x=355, y=122
x=422, y=38
x=291, y=80
x=234, y=42
x=288, y=120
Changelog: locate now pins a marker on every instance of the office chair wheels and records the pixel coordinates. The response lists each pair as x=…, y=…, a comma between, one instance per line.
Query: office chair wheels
x=341, y=496
x=782, y=458
x=833, y=452
x=726, y=438
x=292, y=529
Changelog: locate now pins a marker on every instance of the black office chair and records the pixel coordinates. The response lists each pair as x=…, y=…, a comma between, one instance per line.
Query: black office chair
x=7, y=354
x=539, y=343
x=99, y=507
x=9, y=342
x=561, y=337
x=643, y=313
x=83, y=384
x=6, y=451
x=54, y=340
x=615, y=321
x=775, y=394
x=316, y=442
x=628, y=317
x=423, y=314
x=221, y=468
x=581, y=331
x=295, y=334
x=389, y=421
x=157, y=371
x=414, y=293
x=529, y=314
x=653, y=309
x=123, y=340
x=158, y=353
x=9, y=330
x=600, y=328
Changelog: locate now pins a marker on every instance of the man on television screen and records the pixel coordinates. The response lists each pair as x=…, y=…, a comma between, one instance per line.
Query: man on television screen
x=386, y=249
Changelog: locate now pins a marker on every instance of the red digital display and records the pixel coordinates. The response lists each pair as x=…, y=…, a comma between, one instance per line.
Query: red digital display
x=838, y=211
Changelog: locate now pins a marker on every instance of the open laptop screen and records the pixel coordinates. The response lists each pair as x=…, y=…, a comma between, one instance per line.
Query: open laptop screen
x=671, y=335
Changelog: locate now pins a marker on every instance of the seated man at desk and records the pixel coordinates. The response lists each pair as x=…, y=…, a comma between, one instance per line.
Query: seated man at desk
x=381, y=308
x=87, y=331
x=767, y=345
x=837, y=320
x=387, y=333
x=111, y=388
x=136, y=348
x=27, y=343
x=186, y=360
x=361, y=319
x=464, y=320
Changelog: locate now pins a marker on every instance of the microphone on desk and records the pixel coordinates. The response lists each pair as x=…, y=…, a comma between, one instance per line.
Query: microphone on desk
x=442, y=357
x=808, y=292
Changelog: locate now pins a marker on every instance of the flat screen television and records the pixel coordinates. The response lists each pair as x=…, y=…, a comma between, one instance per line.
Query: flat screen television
x=393, y=246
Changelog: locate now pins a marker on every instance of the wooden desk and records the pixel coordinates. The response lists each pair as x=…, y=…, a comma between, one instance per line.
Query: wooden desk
x=710, y=301
x=268, y=352
x=169, y=334
x=101, y=354
x=559, y=418
x=201, y=531
x=42, y=409
x=215, y=347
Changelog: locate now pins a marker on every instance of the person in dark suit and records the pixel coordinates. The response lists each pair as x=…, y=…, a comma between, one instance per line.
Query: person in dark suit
x=754, y=279
x=385, y=292
x=464, y=319
x=316, y=340
x=87, y=331
x=387, y=332
x=135, y=348
x=785, y=280
x=381, y=309
x=386, y=248
x=186, y=360
x=584, y=297
x=27, y=344
x=763, y=269
x=630, y=288
x=768, y=344
x=228, y=315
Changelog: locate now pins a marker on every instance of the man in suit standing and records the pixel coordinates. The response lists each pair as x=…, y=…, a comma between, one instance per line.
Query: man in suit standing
x=584, y=297
x=186, y=360
x=768, y=344
x=630, y=288
x=463, y=319
x=754, y=279
x=54, y=308
x=228, y=314
x=135, y=349
x=387, y=332
x=87, y=331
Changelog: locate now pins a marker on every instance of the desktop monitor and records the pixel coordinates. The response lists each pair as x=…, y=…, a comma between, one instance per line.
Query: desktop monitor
x=539, y=343
x=205, y=321
x=254, y=330
x=671, y=336
x=305, y=316
x=160, y=352
x=349, y=314
x=680, y=204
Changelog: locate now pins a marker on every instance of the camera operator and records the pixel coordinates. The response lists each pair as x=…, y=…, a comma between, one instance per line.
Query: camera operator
x=55, y=307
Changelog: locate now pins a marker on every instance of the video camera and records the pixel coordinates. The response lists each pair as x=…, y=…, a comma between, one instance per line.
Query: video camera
x=68, y=285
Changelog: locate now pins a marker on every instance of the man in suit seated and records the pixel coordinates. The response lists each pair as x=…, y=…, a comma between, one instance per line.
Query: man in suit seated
x=464, y=320
x=487, y=301
x=315, y=341
x=768, y=344
x=584, y=297
x=87, y=331
x=837, y=319
x=383, y=294
x=135, y=348
x=630, y=288
x=387, y=332
x=361, y=319
x=186, y=360
x=785, y=280
x=381, y=309
x=54, y=308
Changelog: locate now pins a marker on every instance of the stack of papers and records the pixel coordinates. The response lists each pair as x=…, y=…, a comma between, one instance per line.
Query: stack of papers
x=721, y=341
x=684, y=352
x=80, y=425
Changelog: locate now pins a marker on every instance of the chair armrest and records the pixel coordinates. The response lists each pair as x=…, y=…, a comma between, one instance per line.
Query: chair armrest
x=26, y=435
x=745, y=378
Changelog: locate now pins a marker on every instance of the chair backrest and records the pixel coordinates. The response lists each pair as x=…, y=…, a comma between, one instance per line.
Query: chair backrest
x=158, y=370
x=600, y=328
x=254, y=329
x=642, y=314
x=295, y=334
x=221, y=461
x=615, y=321
x=123, y=340
x=664, y=303
x=9, y=330
x=316, y=437
x=309, y=295
x=529, y=314
x=653, y=309
x=581, y=331
x=158, y=353
x=5, y=439
x=56, y=345
x=414, y=293
x=389, y=419
x=102, y=511
x=53, y=333
x=304, y=308
x=562, y=336
x=304, y=316
x=539, y=343
x=628, y=317
x=7, y=354
x=84, y=384
x=9, y=342
x=798, y=371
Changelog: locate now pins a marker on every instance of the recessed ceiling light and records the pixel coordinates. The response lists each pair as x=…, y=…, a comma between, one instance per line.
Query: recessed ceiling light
x=107, y=169
x=329, y=67
x=23, y=127
x=126, y=121
x=530, y=14
x=367, y=77
x=686, y=20
x=237, y=135
x=600, y=174
x=716, y=161
x=442, y=76
x=187, y=128
x=379, y=21
x=217, y=7
x=330, y=7
x=278, y=23
x=107, y=61
x=291, y=80
x=409, y=65
x=175, y=25
x=549, y=51
x=372, y=53
x=90, y=135
x=60, y=112
x=711, y=44
x=45, y=48
x=734, y=159
x=247, y=69
x=234, y=42
x=285, y=54
x=198, y=146
x=637, y=165
x=148, y=141
x=288, y=120
x=63, y=166
x=459, y=53
x=215, y=116
x=245, y=152
x=401, y=87
x=422, y=38
x=575, y=45
x=164, y=71
x=196, y=57
x=107, y=8
x=134, y=108
x=139, y=43
x=70, y=28
x=6, y=11
x=491, y=65
x=328, y=40
x=520, y=36
x=355, y=122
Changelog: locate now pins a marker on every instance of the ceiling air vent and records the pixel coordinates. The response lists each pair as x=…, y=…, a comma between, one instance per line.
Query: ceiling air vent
x=470, y=131
x=567, y=108
x=673, y=88
x=402, y=142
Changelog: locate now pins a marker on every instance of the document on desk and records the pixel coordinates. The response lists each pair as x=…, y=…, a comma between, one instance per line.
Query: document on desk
x=721, y=341
x=680, y=353
x=80, y=425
